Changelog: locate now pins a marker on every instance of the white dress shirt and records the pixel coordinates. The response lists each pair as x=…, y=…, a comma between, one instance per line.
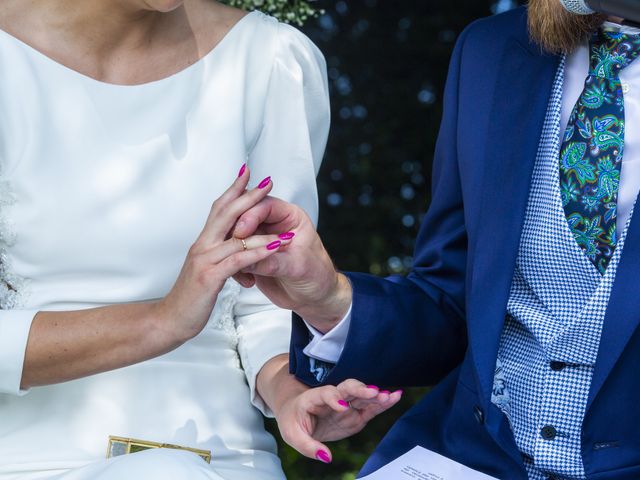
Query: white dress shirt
x=328, y=347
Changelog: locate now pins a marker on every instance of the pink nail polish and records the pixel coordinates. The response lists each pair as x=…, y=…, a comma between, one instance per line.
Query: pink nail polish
x=373, y=387
x=264, y=182
x=243, y=169
x=323, y=456
x=399, y=391
x=343, y=403
x=286, y=236
x=385, y=391
x=274, y=245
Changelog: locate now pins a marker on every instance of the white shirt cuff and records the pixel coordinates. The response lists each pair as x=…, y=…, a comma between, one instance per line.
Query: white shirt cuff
x=328, y=347
x=14, y=334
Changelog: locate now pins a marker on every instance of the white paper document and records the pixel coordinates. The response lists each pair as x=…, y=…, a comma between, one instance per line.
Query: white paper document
x=422, y=464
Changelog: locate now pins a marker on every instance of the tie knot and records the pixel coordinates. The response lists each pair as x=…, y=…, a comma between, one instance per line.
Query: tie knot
x=611, y=51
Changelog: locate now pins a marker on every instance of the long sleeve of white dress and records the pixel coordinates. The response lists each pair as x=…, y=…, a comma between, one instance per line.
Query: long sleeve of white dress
x=14, y=324
x=289, y=149
x=14, y=333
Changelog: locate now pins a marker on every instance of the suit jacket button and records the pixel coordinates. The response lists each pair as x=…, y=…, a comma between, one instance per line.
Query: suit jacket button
x=479, y=414
x=557, y=366
x=548, y=432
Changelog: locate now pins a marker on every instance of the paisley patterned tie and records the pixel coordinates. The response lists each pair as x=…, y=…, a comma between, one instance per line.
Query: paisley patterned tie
x=591, y=151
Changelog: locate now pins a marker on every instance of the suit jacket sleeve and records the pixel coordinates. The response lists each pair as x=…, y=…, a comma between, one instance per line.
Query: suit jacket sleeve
x=409, y=330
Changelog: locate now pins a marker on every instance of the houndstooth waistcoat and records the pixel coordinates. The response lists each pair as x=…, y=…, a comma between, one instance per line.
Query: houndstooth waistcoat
x=555, y=315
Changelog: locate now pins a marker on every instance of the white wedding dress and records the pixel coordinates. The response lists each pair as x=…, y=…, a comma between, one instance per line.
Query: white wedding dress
x=103, y=189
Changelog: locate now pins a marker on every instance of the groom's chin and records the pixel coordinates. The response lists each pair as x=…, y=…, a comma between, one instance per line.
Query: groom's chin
x=558, y=31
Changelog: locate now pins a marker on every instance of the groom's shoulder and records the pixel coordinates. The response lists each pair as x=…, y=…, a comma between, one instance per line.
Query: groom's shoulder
x=490, y=34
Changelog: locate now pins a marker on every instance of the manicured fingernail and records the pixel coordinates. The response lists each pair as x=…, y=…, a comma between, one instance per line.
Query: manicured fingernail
x=264, y=182
x=274, y=245
x=385, y=391
x=243, y=169
x=287, y=236
x=323, y=456
x=343, y=403
x=399, y=391
x=373, y=387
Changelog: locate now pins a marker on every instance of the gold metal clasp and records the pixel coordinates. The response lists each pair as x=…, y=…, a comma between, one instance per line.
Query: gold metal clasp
x=122, y=446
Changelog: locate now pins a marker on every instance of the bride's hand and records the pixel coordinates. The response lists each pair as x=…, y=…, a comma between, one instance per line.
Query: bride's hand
x=329, y=413
x=212, y=259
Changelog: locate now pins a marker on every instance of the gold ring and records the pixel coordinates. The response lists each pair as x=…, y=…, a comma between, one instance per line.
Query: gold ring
x=244, y=244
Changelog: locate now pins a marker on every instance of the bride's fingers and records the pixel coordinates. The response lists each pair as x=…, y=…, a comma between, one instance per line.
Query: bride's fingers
x=231, y=205
x=313, y=402
x=235, y=245
x=327, y=396
x=219, y=252
x=235, y=262
x=304, y=443
x=237, y=188
x=354, y=389
x=367, y=399
x=369, y=409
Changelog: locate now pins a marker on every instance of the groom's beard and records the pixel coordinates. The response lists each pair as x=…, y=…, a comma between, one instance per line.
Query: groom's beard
x=558, y=31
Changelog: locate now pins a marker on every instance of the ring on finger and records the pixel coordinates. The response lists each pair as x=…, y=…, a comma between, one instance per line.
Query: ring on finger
x=244, y=244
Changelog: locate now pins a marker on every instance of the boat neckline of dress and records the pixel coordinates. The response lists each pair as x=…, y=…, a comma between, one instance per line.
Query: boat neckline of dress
x=172, y=76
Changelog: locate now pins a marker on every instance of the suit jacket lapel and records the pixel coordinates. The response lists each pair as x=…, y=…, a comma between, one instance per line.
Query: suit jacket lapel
x=520, y=104
x=623, y=312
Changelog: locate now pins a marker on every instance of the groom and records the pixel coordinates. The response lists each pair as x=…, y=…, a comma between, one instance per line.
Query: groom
x=523, y=303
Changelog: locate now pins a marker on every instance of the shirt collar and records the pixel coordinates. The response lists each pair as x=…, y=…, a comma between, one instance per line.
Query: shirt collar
x=621, y=28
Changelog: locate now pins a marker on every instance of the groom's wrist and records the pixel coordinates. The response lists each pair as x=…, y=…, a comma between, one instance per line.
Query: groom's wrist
x=326, y=313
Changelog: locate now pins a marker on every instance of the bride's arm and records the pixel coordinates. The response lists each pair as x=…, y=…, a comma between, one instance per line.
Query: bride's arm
x=66, y=345
x=275, y=384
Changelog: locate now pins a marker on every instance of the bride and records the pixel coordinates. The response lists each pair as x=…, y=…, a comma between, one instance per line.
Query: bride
x=120, y=123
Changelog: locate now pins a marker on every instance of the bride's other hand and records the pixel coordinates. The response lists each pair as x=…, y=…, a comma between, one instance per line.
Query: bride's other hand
x=325, y=414
x=214, y=257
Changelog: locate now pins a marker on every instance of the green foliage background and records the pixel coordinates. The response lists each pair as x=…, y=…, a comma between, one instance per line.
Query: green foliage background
x=387, y=63
x=290, y=11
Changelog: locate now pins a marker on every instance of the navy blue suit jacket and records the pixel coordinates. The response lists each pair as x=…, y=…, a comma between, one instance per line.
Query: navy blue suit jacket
x=442, y=323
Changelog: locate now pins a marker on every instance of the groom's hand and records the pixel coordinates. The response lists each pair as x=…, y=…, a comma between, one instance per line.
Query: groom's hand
x=300, y=277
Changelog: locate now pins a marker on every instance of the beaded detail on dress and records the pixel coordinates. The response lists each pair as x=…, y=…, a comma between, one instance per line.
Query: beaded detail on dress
x=223, y=316
x=12, y=287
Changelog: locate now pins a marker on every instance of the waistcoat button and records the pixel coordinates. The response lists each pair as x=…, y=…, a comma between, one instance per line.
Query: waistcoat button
x=548, y=432
x=557, y=366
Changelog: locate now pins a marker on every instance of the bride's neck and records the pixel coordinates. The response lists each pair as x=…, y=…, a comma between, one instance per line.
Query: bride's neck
x=105, y=25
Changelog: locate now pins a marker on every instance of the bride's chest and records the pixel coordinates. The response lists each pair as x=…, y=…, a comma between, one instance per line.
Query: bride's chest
x=92, y=208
